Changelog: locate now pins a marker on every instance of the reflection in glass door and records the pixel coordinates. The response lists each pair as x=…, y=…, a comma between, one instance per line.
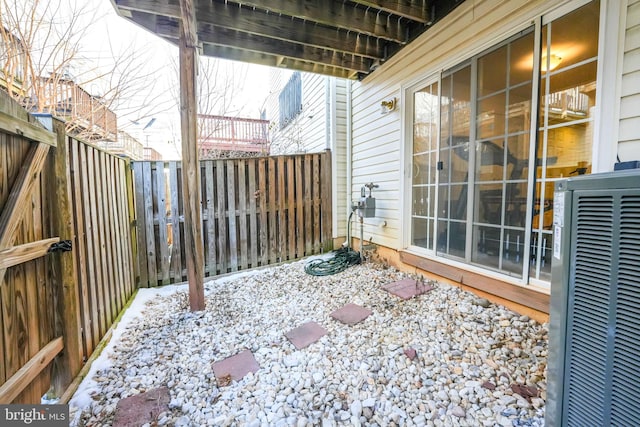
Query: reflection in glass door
x=569, y=60
x=503, y=120
x=455, y=117
x=425, y=151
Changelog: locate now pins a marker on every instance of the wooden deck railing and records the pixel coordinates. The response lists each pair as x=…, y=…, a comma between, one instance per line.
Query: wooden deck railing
x=233, y=134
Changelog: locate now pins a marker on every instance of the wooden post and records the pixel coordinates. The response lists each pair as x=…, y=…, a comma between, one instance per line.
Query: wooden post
x=194, y=250
x=64, y=270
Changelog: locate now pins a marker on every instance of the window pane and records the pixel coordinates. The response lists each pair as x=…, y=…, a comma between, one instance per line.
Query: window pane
x=487, y=246
x=420, y=201
x=515, y=204
x=513, y=251
x=422, y=230
x=459, y=201
x=421, y=169
x=519, y=109
x=490, y=160
x=489, y=199
x=574, y=37
x=569, y=150
x=491, y=116
x=460, y=163
x=521, y=60
x=492, y=71
x=518, y=157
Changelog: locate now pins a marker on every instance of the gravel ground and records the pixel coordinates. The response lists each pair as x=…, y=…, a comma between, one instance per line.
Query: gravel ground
x=470, y=356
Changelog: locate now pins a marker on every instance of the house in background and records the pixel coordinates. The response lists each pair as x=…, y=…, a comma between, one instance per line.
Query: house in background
x=307, y=113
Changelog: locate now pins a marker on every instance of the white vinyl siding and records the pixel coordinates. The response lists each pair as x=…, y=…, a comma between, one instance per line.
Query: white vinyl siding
x=339, y=156
x=629, y=132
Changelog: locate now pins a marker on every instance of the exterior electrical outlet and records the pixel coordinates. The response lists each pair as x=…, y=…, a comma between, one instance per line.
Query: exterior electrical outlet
x=594, y=333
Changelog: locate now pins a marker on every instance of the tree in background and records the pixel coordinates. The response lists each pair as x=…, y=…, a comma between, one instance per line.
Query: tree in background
x=47, y=64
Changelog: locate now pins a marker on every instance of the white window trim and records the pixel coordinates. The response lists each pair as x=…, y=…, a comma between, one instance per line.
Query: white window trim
x=613, y=17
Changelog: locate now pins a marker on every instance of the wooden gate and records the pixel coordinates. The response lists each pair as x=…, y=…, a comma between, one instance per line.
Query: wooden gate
x=31, y=327
x=255, y=212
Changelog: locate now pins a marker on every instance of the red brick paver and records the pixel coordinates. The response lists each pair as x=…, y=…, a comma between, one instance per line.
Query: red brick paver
x=234, y=367
x=351, y=314
x=407, y=288
x=306, y=334
x=142, y=408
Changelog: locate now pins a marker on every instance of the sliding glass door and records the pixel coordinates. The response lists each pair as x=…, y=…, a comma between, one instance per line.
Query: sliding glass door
x=482, y=189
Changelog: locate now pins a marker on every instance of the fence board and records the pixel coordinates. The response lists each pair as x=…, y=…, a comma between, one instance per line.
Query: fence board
x=299, y=209
x=163, y=247
x=257, y=212
x=232, y=213
x=107, y=188
x=253, y=215
x=222, y=217
x=176, y=253
x=308, y=224
x=80, y=250
x=263, y=237
x=272, y=211
x=291, y=206
x=84, y=201
x=150, y=244
x=141, y=229
x=242, y=212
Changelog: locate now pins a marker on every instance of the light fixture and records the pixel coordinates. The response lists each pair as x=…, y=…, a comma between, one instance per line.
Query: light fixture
x=388, y=106
x=552, y=61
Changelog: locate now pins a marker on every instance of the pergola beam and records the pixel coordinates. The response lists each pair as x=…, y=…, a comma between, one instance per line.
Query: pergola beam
x=194, y=249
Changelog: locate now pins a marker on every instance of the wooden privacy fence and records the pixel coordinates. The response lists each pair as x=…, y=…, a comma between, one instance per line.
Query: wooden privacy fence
x=55, y=190
x=255, y=212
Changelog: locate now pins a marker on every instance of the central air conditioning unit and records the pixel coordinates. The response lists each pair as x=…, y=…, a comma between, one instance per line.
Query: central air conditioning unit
x=594, y=334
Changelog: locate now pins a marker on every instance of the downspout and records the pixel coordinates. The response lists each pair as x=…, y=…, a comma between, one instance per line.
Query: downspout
x=349, y=136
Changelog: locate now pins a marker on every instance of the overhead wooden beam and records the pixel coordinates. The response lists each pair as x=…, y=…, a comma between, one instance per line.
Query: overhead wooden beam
x=276, y=28
x=240, y=40
x=276, y=61
x=194, y=249
x=415, y=10
x=332, y=14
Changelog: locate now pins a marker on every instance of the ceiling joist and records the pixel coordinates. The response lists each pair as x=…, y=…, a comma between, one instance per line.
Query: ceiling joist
x=335, y=37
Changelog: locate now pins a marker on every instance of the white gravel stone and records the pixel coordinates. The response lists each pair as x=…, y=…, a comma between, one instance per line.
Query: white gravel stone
x=355, y=375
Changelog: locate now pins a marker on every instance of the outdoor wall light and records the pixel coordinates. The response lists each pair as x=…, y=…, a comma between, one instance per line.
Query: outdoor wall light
x=388, y=106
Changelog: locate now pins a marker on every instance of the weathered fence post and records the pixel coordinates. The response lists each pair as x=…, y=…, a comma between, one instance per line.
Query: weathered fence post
x=69, y=362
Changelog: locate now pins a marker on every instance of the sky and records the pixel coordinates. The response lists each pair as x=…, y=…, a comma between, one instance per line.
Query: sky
x=157, y=64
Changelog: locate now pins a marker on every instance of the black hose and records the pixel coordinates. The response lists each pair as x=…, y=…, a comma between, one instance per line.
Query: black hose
x=342, y=258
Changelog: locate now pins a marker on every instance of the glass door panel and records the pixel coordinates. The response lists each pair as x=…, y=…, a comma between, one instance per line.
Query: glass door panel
x=424, y=163
x=567, y=99
x=503, y=119
x=455, y=119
